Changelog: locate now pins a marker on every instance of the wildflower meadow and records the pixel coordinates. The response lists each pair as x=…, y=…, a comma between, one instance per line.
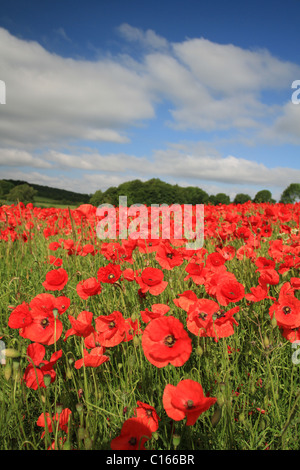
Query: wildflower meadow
x=143, y=343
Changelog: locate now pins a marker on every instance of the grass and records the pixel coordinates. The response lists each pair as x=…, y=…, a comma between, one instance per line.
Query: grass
x=251, y=372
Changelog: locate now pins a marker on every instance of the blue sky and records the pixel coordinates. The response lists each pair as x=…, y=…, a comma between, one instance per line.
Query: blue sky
x=191, y=92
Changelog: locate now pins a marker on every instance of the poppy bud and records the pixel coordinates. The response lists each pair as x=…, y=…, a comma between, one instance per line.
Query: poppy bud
x=67, y=445
x=7, y=371
x=47, y=379
x=199, y=351
x=220, y=400
x=242, y=418
x=176, y=440
x=10, y=352
x=266, y=342
x=262, y=424
x=274, y=322
x=216, y=417
x=88, y=443
x=136, y=341
x=81, y=433
x=79, y=408
x=59, y=408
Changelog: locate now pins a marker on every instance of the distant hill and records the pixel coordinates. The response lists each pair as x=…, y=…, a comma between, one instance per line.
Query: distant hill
x=60, y=195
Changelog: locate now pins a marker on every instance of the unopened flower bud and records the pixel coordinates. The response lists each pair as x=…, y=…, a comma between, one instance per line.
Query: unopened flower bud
x=11, y=352
x=47, y=380
x=216, y=417
x=176, y=440
x=7, y=371
x=88, y=443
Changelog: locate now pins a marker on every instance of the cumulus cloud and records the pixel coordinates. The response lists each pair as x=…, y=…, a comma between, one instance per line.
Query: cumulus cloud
x=51, y=99
x=148, y=39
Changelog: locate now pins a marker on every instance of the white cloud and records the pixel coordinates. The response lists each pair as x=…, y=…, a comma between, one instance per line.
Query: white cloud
x=148, y=39
x=15, y=157
x=51, y=99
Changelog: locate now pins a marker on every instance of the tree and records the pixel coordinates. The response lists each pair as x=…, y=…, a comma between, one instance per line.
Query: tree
x=241, y=198
x=291, y=194
x=5, y=187
x=222, y=198
x=97, y=198
x=263, y=196
x=22, y=193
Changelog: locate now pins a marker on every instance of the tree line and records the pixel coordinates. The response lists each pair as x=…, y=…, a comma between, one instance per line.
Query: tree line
x=153, y=191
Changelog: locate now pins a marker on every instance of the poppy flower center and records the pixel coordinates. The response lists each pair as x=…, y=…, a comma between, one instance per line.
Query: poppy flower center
x=170, y=255
x=220, y=313
x=202, y=315
x=45, y=322
x=190, y=404
x=149, y=413
x=132, y=441
x=169, y=341
x=111, y=325
x=286, y=310
x=111, y=276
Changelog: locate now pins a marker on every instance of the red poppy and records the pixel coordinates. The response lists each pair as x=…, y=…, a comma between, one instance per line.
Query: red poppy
x=287, y=312
x=186, y=400
x=168, y=257
x=45, y=328
x=148, y=414
x=148, y=246
x=53, y=246
x=132, y=328
x=200, y=316
x=268, y=276
x=38, y=321
x=134, y=434
x=109, y=274
x=61, y=418
x=38, y=367
x=56, y=279
x=151, y=280
x=20, y=317
x=54, y=261
x=81, y=326
x=227, y=252
x=214, y=278
x=215, y=260
x=157, y=310
x=111, y=328
x=165, y=341
x=88, y=288
x=197, y=272
x=229, y=291
x=186, y=299
x=258, y=293
x=94, y=358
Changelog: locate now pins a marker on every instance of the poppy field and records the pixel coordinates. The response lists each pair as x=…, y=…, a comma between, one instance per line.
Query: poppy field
x=143, y=344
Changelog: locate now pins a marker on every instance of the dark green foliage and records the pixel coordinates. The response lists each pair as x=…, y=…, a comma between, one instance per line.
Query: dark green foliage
x=263, y=196
x=241, y=198
x=291, y=194
x=22, y=193
x=69, y=197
